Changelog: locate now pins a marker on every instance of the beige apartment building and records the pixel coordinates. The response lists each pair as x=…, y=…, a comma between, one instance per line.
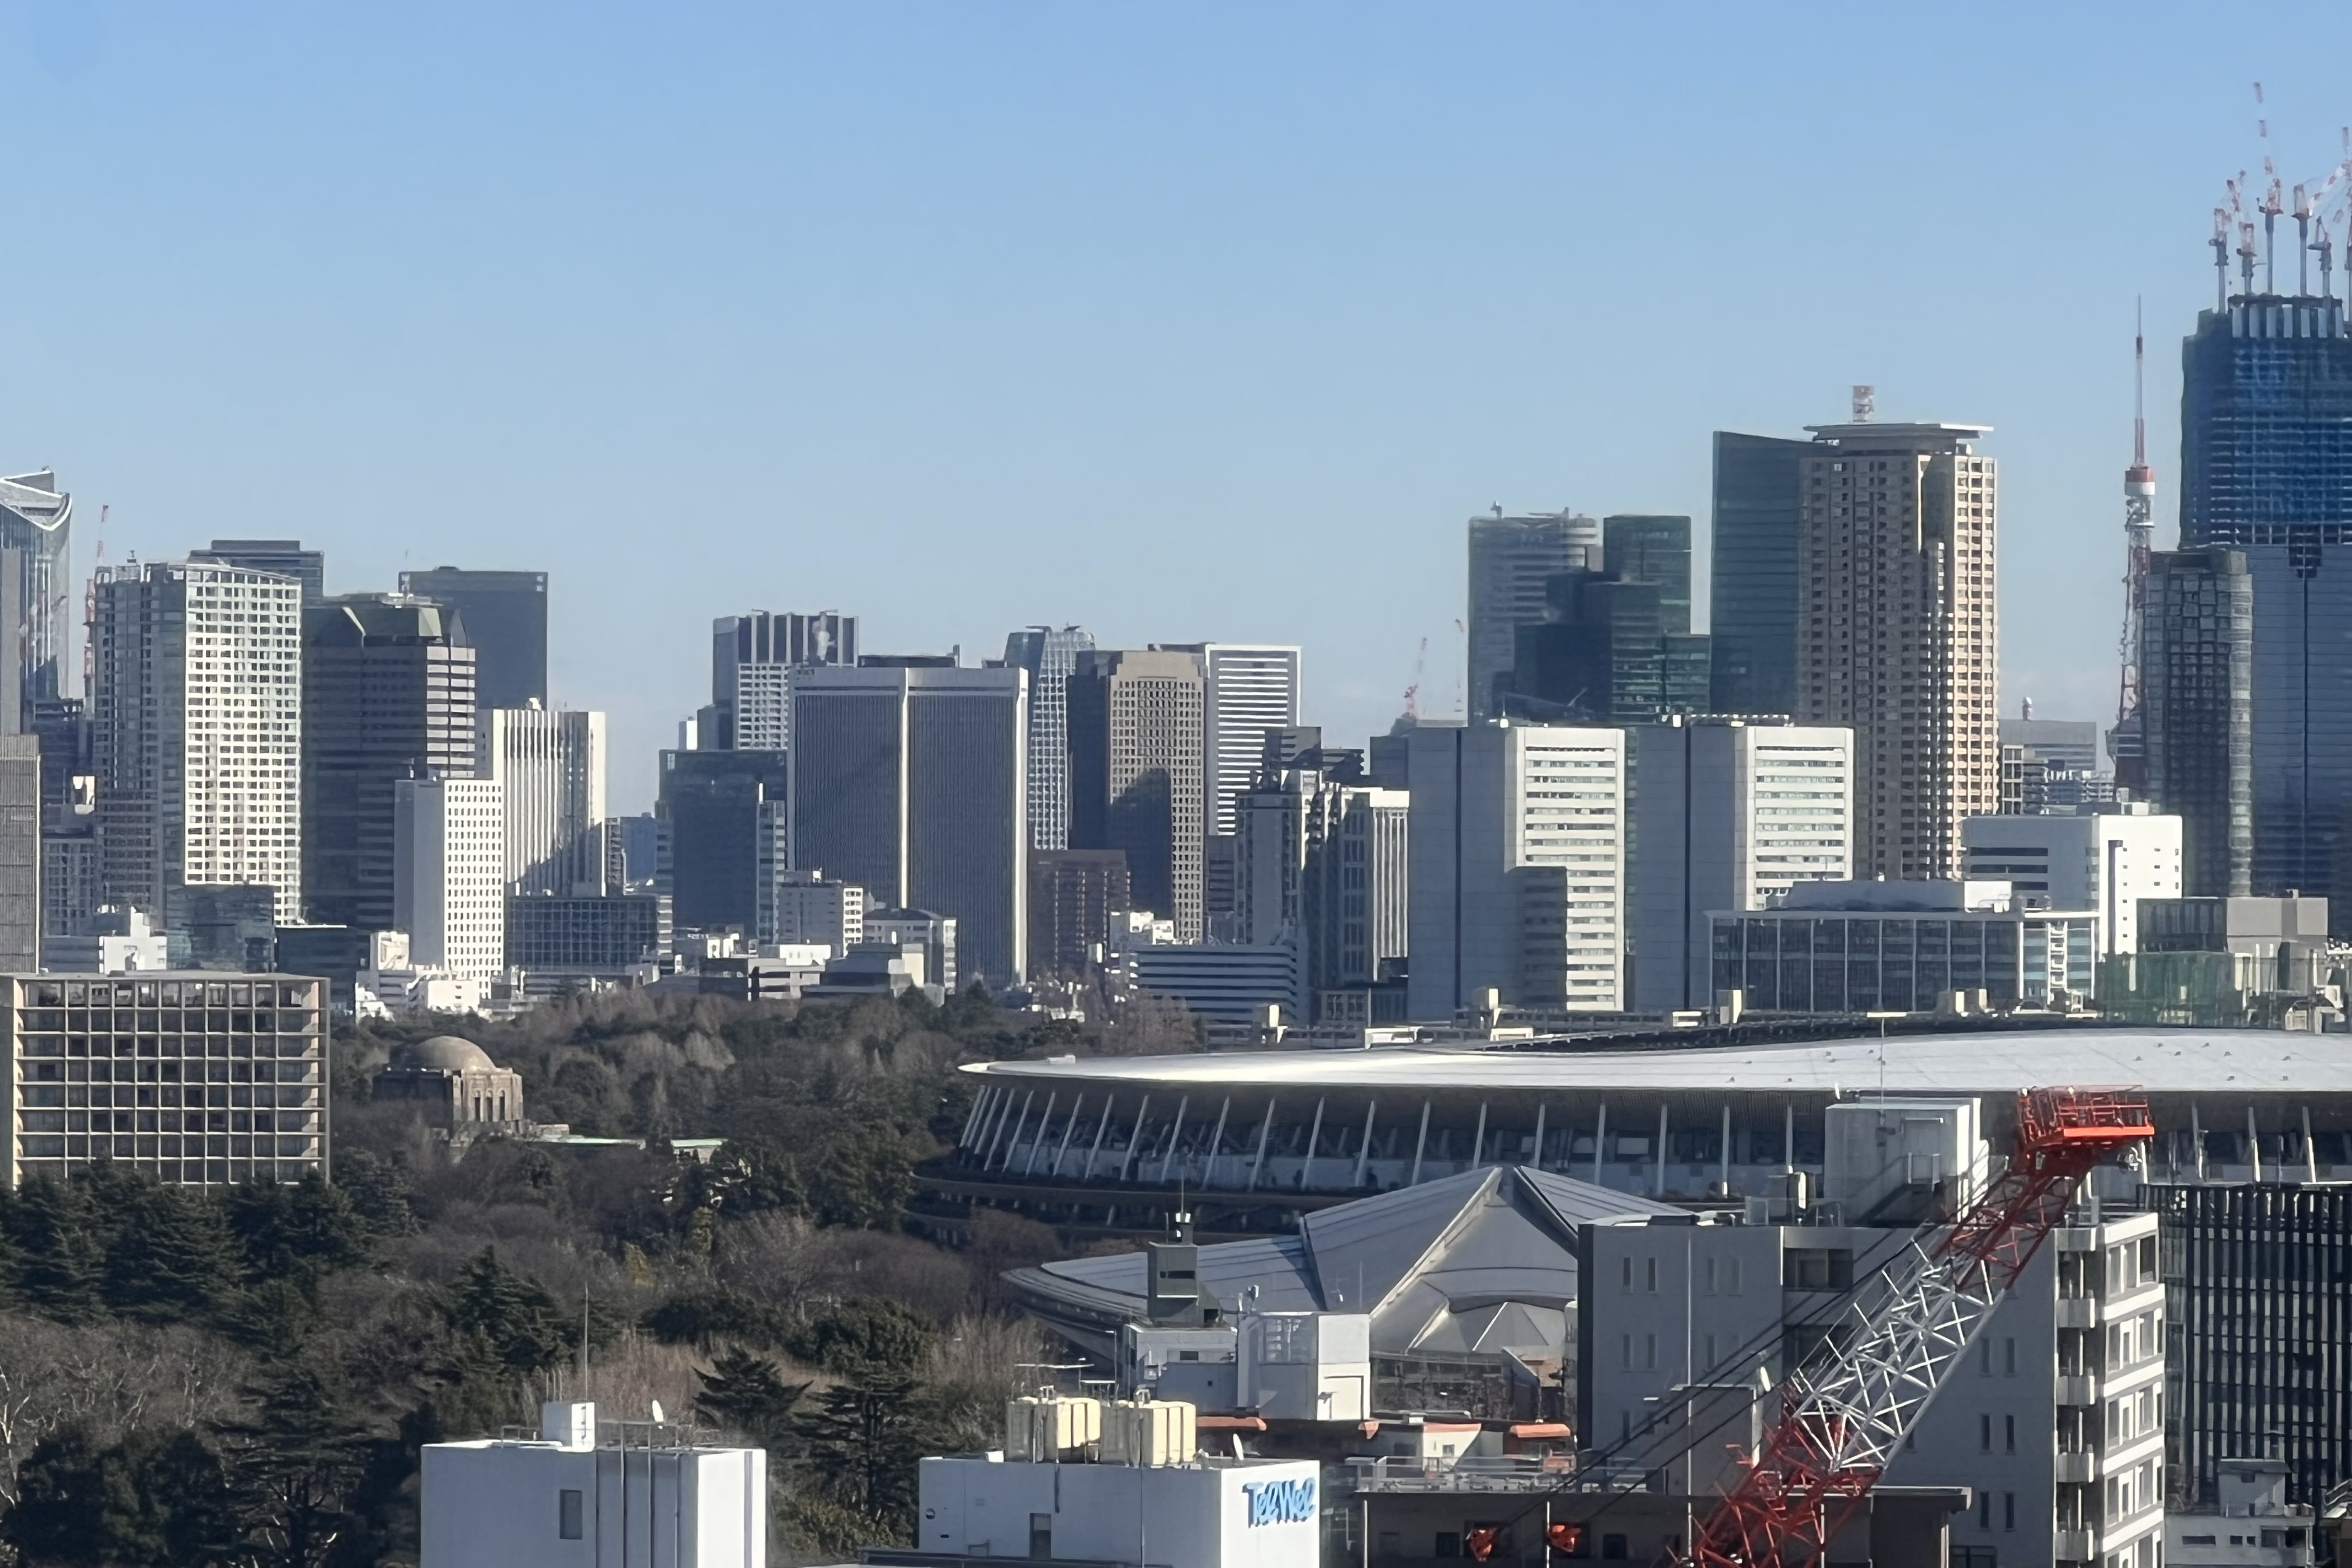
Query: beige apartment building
x=1897, y=637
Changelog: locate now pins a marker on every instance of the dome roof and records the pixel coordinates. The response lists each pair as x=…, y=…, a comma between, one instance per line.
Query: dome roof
x=442, y=1053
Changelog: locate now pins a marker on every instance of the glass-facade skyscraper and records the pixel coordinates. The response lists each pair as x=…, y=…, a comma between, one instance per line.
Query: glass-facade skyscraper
x=2267, y=470
x=1752, y=587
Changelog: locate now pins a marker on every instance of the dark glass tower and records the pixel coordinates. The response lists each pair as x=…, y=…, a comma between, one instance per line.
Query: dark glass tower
x=2266, y=468
x=1652, y=550
x=506, y=616
x=1752, y=591
x=2196, y=712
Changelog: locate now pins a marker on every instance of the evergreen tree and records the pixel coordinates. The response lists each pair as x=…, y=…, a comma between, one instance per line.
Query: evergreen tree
x=744, y=1393
x=378, y=1193
x=57, y=1255
x=515, y=1322
x=295, y=1232
x=864, y=1335
x=60, y=1492
x=170, y=1259
x=167, y=1502
x=295, y=1464
x=861, y=1444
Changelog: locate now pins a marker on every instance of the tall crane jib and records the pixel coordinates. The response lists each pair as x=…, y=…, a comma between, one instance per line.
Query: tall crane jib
x=1843, y=1417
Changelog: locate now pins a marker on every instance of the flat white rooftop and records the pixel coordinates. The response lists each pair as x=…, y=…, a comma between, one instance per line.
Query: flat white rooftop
x=2161, y=1061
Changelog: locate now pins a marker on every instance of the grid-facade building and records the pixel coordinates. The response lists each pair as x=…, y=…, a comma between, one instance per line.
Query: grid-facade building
x=188, y=1077
x=550, y=768
x=1073, y=895
x=450, y=883
x=1137, y=771
x=2258, y=1279
x=1049, y=654
x=196, y=731
x=601, y=935
x=752, y=660
x=284, y=557
x=2267, y=470
x=1895, y=564
x=2197, y=712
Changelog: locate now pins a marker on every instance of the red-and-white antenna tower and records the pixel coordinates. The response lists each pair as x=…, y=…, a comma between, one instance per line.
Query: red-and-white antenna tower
x=2126, y=744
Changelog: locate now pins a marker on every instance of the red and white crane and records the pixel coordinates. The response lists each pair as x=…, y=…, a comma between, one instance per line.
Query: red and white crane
x=1842, y=1419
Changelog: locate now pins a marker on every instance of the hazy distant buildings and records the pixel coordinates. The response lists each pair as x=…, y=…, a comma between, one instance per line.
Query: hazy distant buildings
x=911, y=782
x=505, y=619
x=1605, y=653
x=450, y=891
x=1073, y=896
x=196, y=731
x=20, y=853
x=1895, y=564
x=36, y=526
x=808, y=907
x=1247, y=688
x=1049, y=654
x=2197, y=705
x=1517, y=866
x=709, y=820
x=1726, y=815
x=752, y=659
x=1323, y=865
x=285, y=557
x=387, y=695
x=1752, y=591
x=2267, y=471
x=1511, y=561
x=549, y=768
x=1136, y=774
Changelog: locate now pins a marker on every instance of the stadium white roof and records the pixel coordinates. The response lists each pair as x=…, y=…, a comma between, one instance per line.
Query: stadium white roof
x=2161, y=1061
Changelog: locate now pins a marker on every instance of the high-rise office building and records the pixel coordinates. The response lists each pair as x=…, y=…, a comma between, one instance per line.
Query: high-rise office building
x=551, y=772
x=196, y=731
x=911, y=782
x=1752, y=596
x=1639, y=548
x=1727, y=815
x=1603, y=655
x=506, y=620
x=229, y=1083
x=2196, y=712
x=1137, y=771
x=752, y=658
x=285, y=557
x=1074, y=894
x=1516, y=867
x=1322, y=865
x=20, y=852
x=1247, y=688
x=450, y=891
x=1049, y=654
x=37, y=523
x=2267, y=471
x=2071, y=744
x=709, y=827
x=1896, y=560
x=387, y=694
x=1511, y=561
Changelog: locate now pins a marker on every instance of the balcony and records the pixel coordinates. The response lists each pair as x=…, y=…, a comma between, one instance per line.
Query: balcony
x=2077, y=1390
x=2077, y=1468
x=2078, y=1313
x=2074, y=1546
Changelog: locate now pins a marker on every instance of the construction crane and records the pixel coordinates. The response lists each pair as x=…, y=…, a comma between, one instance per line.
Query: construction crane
x=1412, y=687
x=2127, y=743
x=1842, y=1419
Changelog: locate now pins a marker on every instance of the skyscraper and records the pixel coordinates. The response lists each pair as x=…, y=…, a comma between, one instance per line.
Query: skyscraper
x=551, y=772
x=1895, y=559
x=1752, y=579
x=751, y=658
x=1726, y=815
x=709, y=811
x=505, y=619
x=285, y=557
x=1049, y=655
x=196, y=731
x=1604, y=655
x=1137, y=767
x=449, y=882
x=911, y=782
x=1517, y=859
x=2266, y=470
x=37, y=523
x=1511, y=560
x=2197, y=707
x=1650, y=549
x=1248, y=689
x=20, y=853
x=387, y=694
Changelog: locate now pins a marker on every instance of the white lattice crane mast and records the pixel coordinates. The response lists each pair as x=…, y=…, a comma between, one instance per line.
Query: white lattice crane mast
x=1842, y=1421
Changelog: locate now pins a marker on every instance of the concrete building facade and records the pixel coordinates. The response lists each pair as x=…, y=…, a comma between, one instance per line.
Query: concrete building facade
x=2104, y=859
x=449, y=886
x=550, y=770
x=21, y=853
x=1727, y=815
x=1518, y=867
x=1247, y=689
x=1899, y=634
x=196, y=731
x=752, y=660
x=1138, y=773
x=1073, y=896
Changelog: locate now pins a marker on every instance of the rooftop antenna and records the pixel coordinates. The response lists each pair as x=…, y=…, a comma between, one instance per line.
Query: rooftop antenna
x=2128, y=742
x=1865, y=404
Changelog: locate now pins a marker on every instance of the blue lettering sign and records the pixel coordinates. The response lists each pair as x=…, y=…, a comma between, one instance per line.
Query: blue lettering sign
x=1280, y=1502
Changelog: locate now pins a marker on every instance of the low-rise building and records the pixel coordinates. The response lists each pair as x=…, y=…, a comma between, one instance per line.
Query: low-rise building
x=606, y=937
x=113, y=941
x=1904, y=947
x=2106, y=859
x=582, y=1493
x=455, y=1080
x=2249, y=1523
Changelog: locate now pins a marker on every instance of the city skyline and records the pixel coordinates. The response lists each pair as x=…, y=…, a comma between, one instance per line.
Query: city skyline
x=1295, y=152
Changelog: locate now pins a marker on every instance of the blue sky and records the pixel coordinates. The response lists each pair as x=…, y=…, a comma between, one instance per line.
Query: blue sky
x=1181, y=322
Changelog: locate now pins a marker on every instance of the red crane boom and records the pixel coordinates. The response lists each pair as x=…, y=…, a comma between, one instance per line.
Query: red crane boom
x=1842, y=1419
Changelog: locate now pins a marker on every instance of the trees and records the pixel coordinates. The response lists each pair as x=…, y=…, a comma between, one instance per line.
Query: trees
x=156, y=1500
x=864, y=1336
x=746, y=1393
